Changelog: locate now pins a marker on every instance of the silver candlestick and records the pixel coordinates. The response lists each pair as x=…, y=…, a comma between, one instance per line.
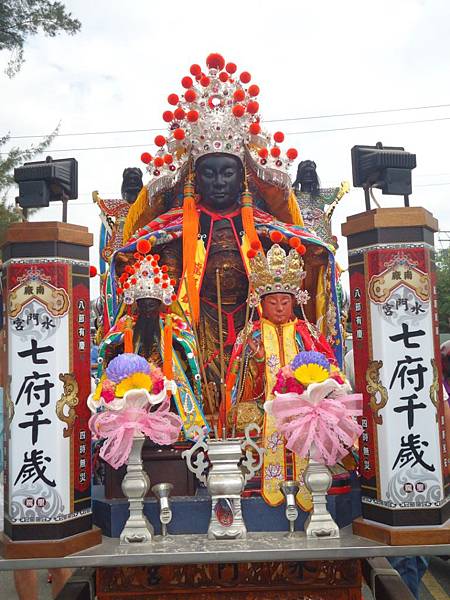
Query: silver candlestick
x=226, y=478
x=290, y=489
x=135, y=485
x=320, y=523
x=162, y=491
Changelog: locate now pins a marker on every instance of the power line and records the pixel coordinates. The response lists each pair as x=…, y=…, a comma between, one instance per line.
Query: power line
x=283, y=120
x=292, y=133
x=353, y=114
x=368, y=126
x=432, y=184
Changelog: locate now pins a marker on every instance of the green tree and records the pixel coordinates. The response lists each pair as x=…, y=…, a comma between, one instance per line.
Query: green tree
x=20, y=19
x=8, y=162
x=443, y=288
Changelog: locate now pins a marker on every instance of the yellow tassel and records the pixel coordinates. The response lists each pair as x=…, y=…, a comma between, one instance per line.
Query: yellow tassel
x=321, y=304
x=136, y=210
x=190, y=236
x=167, y=359
x=294, y=210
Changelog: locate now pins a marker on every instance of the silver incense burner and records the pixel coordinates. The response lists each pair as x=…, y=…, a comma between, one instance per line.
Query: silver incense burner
x=290, y=489
x=229, y=464
x=162, y=491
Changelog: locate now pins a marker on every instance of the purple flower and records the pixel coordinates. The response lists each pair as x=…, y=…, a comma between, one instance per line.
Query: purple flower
x=125, y=365
x=273, y=471
x=308, y=357
x=275, y=440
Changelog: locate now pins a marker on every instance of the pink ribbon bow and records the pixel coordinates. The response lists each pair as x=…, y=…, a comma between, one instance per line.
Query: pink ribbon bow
x=119, y=427
x=325, y=429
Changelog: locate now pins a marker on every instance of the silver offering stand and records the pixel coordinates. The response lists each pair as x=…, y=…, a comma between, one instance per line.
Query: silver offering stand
x=228, y=470
x=135, y=485
x=290, y=489
x=162, y=491
x=320, y=523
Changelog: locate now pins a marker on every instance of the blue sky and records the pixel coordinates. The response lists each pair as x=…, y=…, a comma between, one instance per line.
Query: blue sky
x=309, y=59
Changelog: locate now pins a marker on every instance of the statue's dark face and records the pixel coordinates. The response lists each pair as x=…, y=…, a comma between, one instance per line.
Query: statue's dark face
x=307, y=172
x=131, y=184
x=219, y=178
x=148, y=307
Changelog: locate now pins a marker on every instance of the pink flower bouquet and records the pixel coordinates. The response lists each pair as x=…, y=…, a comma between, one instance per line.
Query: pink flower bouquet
x=315, y=409
x=133, y=394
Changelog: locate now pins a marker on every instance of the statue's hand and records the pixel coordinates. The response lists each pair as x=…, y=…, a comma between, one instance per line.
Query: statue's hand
x=257, y=349
x=316, y=256
x=123, y=259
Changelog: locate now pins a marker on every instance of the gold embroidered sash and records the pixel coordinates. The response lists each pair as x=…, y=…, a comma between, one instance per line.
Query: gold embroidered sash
x=280, y=348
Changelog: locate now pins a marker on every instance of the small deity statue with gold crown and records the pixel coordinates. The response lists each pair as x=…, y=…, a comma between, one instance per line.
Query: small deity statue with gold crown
x=267, y=345
x=149, y=328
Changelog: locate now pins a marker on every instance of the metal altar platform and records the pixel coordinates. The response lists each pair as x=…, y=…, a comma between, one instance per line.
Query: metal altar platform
x=193, y=549
x=191, y=514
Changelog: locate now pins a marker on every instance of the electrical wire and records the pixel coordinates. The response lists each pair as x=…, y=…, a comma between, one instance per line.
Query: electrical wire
x=292, y=133
x=282, y=120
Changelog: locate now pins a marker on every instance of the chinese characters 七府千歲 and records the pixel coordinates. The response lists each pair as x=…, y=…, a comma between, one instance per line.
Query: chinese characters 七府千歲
x=35, y=388
x=410, y=372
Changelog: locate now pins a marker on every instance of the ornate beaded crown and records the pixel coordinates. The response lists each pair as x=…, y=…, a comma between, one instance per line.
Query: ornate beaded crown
x=277, y=272
x=218, y=112
x=146, y=278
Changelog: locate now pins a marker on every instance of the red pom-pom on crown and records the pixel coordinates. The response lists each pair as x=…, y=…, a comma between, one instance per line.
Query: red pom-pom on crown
x=192, y=116
x=276, y=237
x=278, y=136
x=187, y=82
x=215, y=61
x=179, y=114
x=160, y=140
x=252, y=107
x=179, y=134
x=238, y=110
x=255, y=128
x=190, y=96
x=146, y=158
x=253, y=90
x=195, y=70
